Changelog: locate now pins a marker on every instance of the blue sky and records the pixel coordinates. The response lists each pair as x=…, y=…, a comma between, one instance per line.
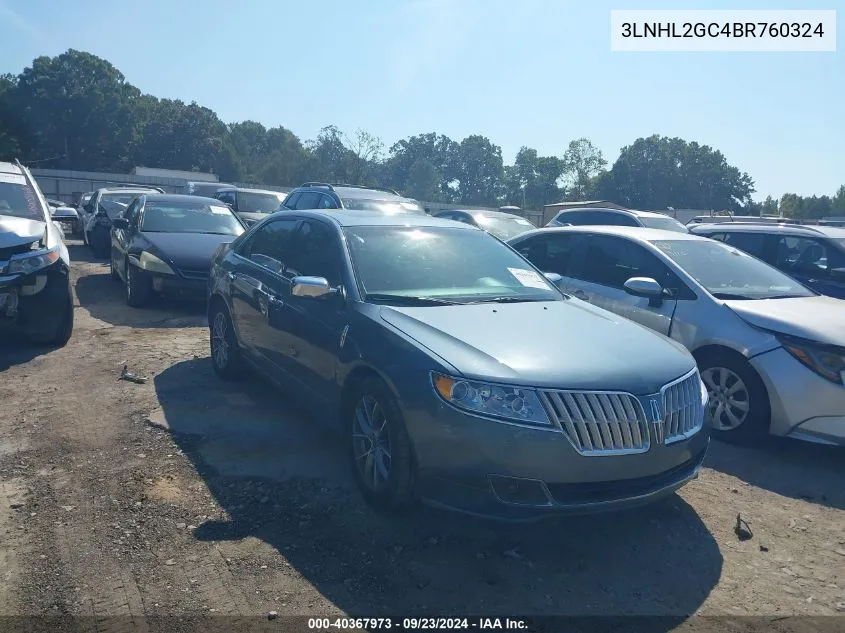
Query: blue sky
x=521, y=72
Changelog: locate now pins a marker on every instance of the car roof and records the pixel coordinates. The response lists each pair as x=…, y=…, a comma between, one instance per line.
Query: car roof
x=178, y=197
x=247, y=190
x=10, y=168
x=783, y=229
x=633, y=212
x=349, y=217
x=639, y=233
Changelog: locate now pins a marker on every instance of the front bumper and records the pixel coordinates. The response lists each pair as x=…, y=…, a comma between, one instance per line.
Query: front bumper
x=512, y=473
x=177, y=286
x=804, y=405
x=34, y=305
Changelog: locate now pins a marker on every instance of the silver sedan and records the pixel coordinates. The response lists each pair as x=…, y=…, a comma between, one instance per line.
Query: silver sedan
x=771, y=351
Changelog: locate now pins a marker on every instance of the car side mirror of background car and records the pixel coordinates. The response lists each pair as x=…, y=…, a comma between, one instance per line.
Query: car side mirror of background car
x=838, y=274
x=120, y=223
x=645, y=287
x=554, y=278
x=311, y=287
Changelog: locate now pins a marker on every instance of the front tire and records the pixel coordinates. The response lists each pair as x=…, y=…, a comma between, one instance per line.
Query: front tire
x=379, y=448
x=225, y=352
x=739, y=403
x=139, y=287
x=64, y=328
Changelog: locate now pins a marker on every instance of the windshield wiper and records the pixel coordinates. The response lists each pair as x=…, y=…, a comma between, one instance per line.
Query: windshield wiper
x=731, y=295
x=411, y=300
x=785, y=296
x=509, y=300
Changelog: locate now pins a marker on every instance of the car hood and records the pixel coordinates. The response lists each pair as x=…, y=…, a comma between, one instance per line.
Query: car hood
x=558, y=344
x=819, y=318
x=187, y=250
x=16, y=231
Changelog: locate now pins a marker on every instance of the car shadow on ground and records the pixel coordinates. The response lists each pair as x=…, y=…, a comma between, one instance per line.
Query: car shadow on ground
x=791, y=468
x=14, y=352
x=283, y=478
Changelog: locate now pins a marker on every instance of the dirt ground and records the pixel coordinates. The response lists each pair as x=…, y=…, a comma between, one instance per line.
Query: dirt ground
x=187, y=496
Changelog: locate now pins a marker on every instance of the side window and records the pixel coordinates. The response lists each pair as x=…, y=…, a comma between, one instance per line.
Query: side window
x=131, y=213
x=576, y=218
x=317, y=253
x=308, y=200
x=802, y=255
x=612, y=261
x=270, y=246
x=327, y=202
x=534, y=250
x=716, y=236
x=226, y=197
x=751, y=243
x=620, y=219
x=290, y=201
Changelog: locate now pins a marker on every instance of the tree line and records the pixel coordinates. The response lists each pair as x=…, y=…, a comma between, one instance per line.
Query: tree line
x=77, y=111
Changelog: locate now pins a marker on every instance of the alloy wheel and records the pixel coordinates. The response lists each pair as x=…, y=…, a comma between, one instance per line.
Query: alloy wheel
x=220, y=341
x=371, y=443
x=729, y=398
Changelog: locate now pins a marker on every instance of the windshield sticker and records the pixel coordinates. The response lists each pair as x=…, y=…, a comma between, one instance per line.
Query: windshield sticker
x=15, y=179
x=528, y=278
x=219, y=210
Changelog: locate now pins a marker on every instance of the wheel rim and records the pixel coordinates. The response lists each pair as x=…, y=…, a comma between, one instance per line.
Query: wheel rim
x=730, y=401
x=371, y=443
x=219, y=340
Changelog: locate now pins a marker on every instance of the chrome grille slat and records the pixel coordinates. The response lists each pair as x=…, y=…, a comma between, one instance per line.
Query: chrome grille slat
x=682, y=408
x=600, y=422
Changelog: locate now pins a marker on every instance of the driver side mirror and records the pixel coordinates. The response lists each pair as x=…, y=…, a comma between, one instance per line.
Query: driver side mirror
x=645, y=287
x=311, y=287
x=554, y=278
x=120, y=223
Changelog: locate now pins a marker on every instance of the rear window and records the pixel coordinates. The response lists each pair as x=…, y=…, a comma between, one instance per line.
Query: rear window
x=18, y=199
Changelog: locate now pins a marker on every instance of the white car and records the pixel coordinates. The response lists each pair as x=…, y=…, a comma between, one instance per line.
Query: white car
x=770, y=350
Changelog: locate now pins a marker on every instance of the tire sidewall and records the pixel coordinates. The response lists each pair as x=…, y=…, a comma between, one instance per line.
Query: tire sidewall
x=233, y=365
x=399, y=494
x=757, y=422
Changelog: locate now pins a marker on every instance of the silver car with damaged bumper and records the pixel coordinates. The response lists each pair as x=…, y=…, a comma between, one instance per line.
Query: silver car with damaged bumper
x=771, y=351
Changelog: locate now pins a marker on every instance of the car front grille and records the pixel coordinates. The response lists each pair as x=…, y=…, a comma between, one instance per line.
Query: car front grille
x=603, y=422
x=7, y=253
x=194, y=274
x=683, y=416
x=615, y=423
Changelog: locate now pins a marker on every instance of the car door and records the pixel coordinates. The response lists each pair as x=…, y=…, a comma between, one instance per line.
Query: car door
x=257, y=290
x=121, y=238
x=312, y=327
x=556, y=253
x=609, y=262
x=810, y=261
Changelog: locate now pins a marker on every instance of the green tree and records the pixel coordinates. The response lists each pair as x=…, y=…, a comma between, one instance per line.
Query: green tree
x=414, y=161
x=837, y=203
x=769, y=207
x=791, y=205
x=582, y=163
x=531, y=181
x=78, y=110
x=11, y=126
x=478, y=169
x=330, y=160
x=659, y=172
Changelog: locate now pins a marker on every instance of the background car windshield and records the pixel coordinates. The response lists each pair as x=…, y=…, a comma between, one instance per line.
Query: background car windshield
x=115, y=204
x=182, y=217
x=729, y=273
x=458, y=264
x=19, y=201
x=384, y=206
x=504, y=227
x=666, y=224
x=258, y=202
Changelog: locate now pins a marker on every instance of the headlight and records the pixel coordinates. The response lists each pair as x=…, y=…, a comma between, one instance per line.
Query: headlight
x=509, y=403
x=827, y=361
x=705, y=397
x=32, y=262
x=153, y=264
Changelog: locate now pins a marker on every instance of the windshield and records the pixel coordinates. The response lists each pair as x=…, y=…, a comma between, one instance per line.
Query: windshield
x=728, y=273
x=249, y=202
x=114, y=204
x=189, y=217
x=18, y=200
x=389, y=206
x=666, y=224
x=461, y=265
x=503, y=227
